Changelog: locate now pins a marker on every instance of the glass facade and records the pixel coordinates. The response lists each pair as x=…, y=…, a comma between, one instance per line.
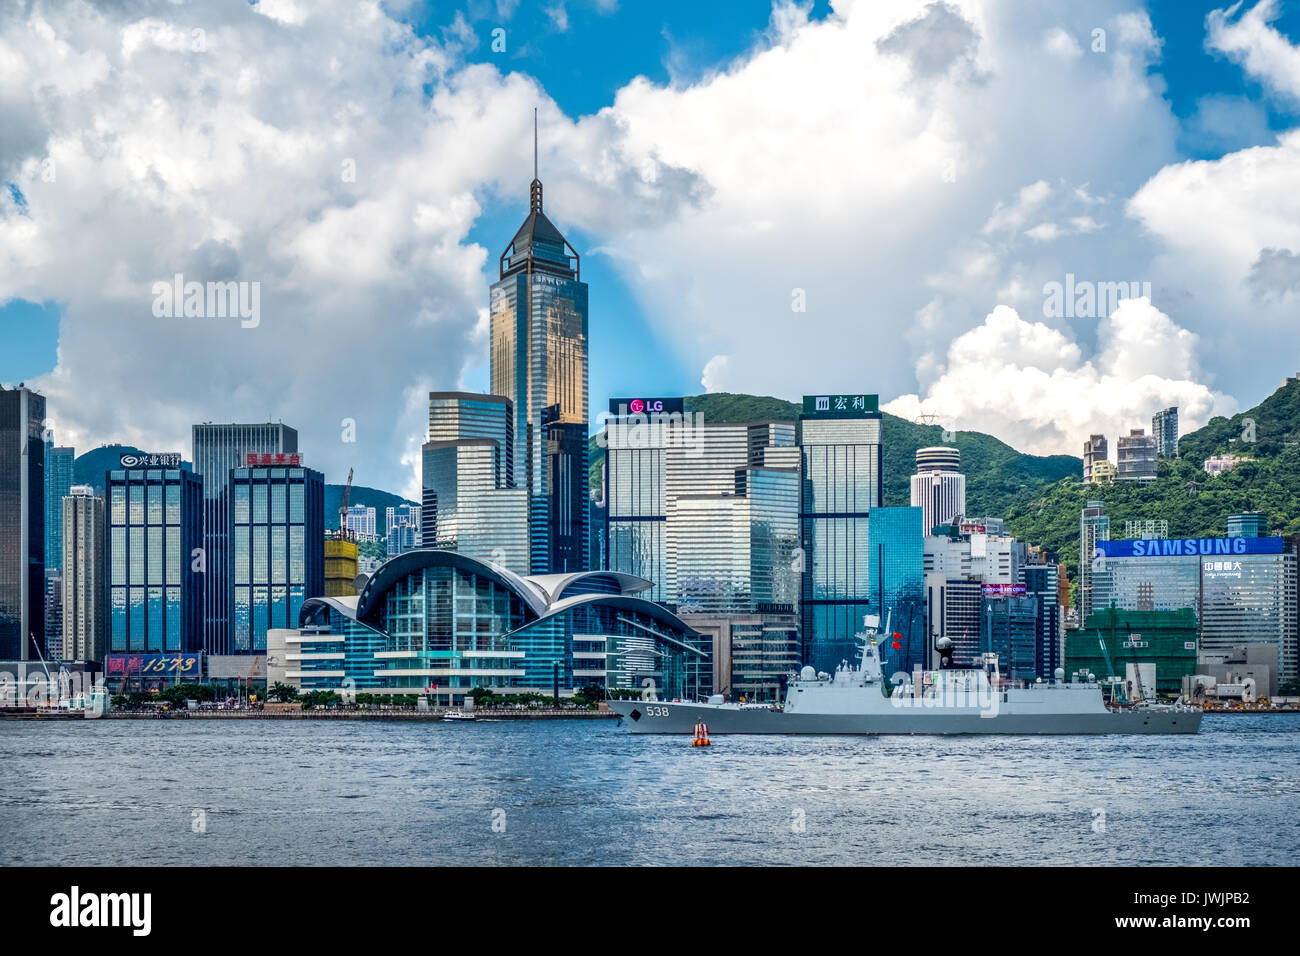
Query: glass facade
x=217, y=450
x=653, y=464
x=841, y=464
x=1146, y=583
x=277, y=556
x=539, y=361
x=1009, y=628
x=1250, y=599
x=58, y=482
x=439, y=619
x=22, y=523
x=1094, y=526
x=155, y=592
x=897, y=590
x=1042, y=581
x=1237, y=598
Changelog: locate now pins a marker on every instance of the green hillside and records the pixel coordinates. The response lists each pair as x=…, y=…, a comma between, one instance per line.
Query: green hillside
x=361, y=495
x=996, y=474
x=1194, y=503
x=89, y=468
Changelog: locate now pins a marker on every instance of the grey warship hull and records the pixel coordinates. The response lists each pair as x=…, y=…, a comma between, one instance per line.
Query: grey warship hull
x=673, y=717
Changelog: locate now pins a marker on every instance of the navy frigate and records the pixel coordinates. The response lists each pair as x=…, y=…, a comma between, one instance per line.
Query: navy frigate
x=859, y=700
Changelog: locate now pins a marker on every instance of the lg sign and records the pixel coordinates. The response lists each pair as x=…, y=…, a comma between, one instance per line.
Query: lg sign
x=645, y=406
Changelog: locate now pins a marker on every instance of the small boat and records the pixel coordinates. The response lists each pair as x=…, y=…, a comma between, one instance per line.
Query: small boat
x=459, y=715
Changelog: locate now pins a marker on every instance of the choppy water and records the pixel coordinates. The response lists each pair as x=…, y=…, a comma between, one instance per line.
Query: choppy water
x=586, y=792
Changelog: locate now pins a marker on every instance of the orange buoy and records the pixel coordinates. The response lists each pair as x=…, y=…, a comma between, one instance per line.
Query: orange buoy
x=701, y=735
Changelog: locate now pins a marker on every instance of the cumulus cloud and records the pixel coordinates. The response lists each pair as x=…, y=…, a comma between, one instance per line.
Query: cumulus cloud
x=1250, y=40
x=1275, y=274
x=1032, y=385
x=908, y=169
x=290, y=145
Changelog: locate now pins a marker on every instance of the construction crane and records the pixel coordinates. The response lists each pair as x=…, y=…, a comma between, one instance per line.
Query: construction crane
x=344, y=533
x=1112, y=677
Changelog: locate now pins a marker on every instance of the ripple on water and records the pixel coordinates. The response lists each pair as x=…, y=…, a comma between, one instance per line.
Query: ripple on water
x=586, y=793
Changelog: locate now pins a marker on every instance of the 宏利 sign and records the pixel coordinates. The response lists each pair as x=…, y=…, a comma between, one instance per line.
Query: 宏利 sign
x=840, y=406
x=166, y=460
x=1191, y=547
x=647, y=406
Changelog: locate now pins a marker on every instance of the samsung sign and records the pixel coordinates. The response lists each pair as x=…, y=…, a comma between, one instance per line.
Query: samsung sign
x=1191, y=547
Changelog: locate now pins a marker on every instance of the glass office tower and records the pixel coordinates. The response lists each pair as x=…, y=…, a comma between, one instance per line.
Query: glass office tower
x=155, y=596
x=839, y=437
x=1147, y=583
x=22, y=523
x=539, y=361
x=1250, y=599
x=469, y=502
x=652, y=464
x=897, y=591
x=1042, y=581
x=277, y=537
x=218, y=449
x=58, y=482
x=1094, y=527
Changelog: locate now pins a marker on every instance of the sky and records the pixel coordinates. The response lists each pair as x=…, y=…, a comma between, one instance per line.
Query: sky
x=777, y=198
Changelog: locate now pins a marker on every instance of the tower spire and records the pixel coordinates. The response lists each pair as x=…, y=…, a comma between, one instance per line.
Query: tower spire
x=535, y=189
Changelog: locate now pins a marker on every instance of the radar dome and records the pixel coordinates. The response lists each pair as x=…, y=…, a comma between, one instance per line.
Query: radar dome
x=807, y=674
x=943, y=643
x=1059, y=673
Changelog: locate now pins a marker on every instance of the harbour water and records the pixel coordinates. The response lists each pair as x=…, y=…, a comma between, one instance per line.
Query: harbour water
x=125, y=792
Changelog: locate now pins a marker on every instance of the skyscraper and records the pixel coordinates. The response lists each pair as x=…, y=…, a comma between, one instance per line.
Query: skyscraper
x=839, y=440
x=58, y=481
x=539, y=362
x=469, y=500
x=155, y=593
x=84, y=591
x=897, y=591
x=22, y=523
x=1164, y=425
x=276, y=538
x=217, y=450
x=1094, y=526
x=938, y=487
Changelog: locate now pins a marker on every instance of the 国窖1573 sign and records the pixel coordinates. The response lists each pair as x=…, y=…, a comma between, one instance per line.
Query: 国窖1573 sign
x=1190, y=547
x=840, y=406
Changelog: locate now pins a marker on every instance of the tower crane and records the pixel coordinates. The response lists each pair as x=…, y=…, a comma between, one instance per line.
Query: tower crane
x=344, y=532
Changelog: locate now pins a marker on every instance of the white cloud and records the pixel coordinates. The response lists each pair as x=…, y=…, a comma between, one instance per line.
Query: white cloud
x=910, y=168
x=295, y=147
x=1261, y=50
x=1031, y=385
x=1059, y=42
x=716, y=372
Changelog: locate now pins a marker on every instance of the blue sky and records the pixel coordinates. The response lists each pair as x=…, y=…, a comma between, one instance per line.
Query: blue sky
x=583, y=67
x=790, y=150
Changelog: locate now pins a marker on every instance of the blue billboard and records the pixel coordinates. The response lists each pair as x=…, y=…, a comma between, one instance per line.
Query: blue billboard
x=1189, y=547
